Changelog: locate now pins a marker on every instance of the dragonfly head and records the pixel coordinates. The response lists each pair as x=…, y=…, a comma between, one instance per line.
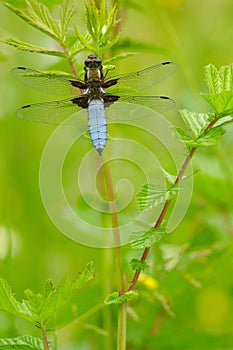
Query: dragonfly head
x=93, y=61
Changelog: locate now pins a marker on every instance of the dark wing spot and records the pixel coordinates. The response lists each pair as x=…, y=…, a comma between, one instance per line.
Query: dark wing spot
x=26, y=106
x=166, y=63
x=21, y=68
x=164, y=97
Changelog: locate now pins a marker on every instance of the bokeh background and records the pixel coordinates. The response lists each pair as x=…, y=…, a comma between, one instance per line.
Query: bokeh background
x=188, y=303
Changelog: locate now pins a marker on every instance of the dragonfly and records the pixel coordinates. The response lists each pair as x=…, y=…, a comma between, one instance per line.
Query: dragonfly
x=100, y=97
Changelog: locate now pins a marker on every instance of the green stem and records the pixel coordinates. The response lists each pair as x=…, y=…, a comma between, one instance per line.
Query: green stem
x=115, y=227
x=167, y=204
x=122, y=312
x=122, y=319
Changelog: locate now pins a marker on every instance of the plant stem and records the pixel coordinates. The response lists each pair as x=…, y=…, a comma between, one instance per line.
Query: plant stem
x=122, y=311
x=167, y=203
x=122, y=319
x=46, y=343
x=115, y=227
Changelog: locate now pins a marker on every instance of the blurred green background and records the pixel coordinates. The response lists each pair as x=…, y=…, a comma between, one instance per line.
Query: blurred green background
x=197, y=286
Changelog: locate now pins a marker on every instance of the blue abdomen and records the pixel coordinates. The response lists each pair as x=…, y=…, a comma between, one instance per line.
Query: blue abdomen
x=97, y=124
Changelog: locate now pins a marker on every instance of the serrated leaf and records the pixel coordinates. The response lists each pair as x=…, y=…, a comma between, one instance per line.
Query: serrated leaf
x=222, y=102
x=119, y=57
x=184, y=137
x=153, y=195
x=219, y=80
x=142, y=240
x=84, y=40
x=64, y=291
x=224, y=121
x=114, y=298
x=137, y=264
x=196, y=122
x=21, y=45
x=8, y=302
x=25, y=342
x=210, y=137
x=37, y=15
x=67, y=14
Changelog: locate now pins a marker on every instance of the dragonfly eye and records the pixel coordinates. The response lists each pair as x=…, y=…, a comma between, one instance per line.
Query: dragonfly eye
x=93, y=61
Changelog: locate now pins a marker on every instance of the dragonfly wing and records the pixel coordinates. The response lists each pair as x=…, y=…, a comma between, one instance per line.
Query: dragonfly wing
x=143, y=79
x=136, y=107
x=50, y=83
x=54, y=112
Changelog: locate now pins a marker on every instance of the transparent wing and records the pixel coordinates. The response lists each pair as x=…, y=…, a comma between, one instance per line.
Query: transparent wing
x=143, y=79
x=136, y=107
x=53, y=112
x=50, y=83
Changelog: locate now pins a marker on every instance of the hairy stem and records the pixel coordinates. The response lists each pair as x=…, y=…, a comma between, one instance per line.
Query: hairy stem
x=167, y=203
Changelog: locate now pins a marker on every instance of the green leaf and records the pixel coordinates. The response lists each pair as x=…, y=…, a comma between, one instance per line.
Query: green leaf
x=64, y=291
x=224, y=121
x=8, y=302
x=85, y=40
x=40, y=308
x=142, y=240
x=67, y=14
x=222, y=102
x=210, y=137
x=25, y=342
x=196, y=122
x=114, y=298
x=21, y=45
x=219, y=80
x=100, y=25
x=119, y=57
x=37, y=15
x=185, y=138
x=153, y=195
x=137, y=264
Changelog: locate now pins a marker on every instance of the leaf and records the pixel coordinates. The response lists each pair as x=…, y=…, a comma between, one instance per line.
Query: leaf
x=137, y=264
x=210, y=137
x=37, y=307
x=224, y=121
x=37, y=15
x=114, y=298
x=67, y=14
x=222, y=102
x=196, y=122
x=219, y=80
x=100, y=25
x=119, y=57
x=21, y=45
x=64, y=291
x=25, y=342
x=153, y=195
x=8, y=302
x=142, y=240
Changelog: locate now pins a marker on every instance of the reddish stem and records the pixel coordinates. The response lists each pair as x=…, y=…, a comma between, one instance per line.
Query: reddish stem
x=167, y=203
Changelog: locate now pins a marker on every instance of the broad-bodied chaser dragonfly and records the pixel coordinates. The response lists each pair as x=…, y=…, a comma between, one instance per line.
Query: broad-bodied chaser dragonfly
x=91, y=95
